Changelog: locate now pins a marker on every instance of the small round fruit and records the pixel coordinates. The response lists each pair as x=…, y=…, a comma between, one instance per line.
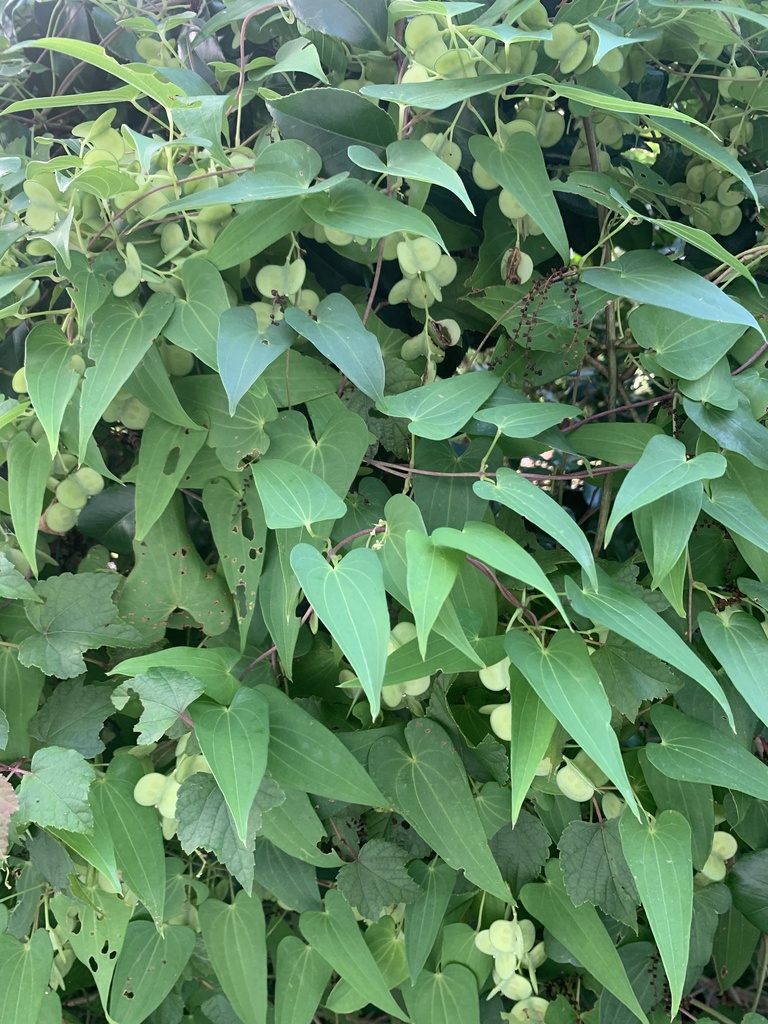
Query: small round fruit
x=587, y=767
x=532, y=1010
x=501, y=721
x=166, y=805
x=19, y=381
x=77, y=363
x=517, y=987
x=178, y=362
x=528, y=931
x=724, y=845
x=510, y=207
x=516, y=266
x=412, y=348
x=535, y=957
x=149, y=789
x=59, y=518
x=483, y=942
x=571, y=60
x=90, y=481
x=482, y=178
x=506, y=964
x=563, y=38
x=506, y=937
x=172, y=239
x=134, y=414
x=714, y=869
x=420, y=30
x=573, y=784
x=550, y=129
x=495, y=677
x=613, y=807
x=70, y=494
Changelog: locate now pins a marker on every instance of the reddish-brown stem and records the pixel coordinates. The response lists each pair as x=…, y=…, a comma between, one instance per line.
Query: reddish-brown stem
x=752, y=359
x=487, y=571
x=353, y=536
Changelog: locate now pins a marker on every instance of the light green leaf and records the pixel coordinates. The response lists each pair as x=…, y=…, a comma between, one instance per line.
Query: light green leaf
x=685, y=345
x=412, y=160
x=624, y=611
x=292, y=496
x=234, y=741
x=335, y=935
x=490, y=545
x=693, y=751
x=533, y=726
x=613, y=101
x=77, y=615
x=194, y=323
x=150, y=383
x=527, y=419
x=732, y=506
x=739, y=644
x=56, y=790
x=565, y=680
x=339, y=334
x=439, y=94
x=582, y=933
x=24, y=972
x=51, y=381
x=212, y=666
x=519, y=168
x=14, y=586
x=244, y=352
x=29, y=465
x=294, y=827
x=523, y=497
x=303, y=753
x=431, y=574
x=148, y=967
x=121, y=335
x=254, y=230
x=445, y=997
x=663, y=468
x=361, y=23
x=647, y=276
x=235, y=939
x=430, y=789
x=349, y=599
x=301, y=976
x=101, y=97
x=167, y=451
x=134, y=830
x=95, y=848
x=100, y=934
x=362, y=210
x=665, y=525
x=165, y=694
x=693, y=800
x=659, y=857
x=424, y=918
x=439, y=410
x=610, y=36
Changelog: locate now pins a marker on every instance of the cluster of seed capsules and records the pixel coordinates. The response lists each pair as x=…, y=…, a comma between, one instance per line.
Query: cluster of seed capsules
x=514, y=949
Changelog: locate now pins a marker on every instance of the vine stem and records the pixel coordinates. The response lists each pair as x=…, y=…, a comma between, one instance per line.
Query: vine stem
x=708, y=1010
x=760, y=985
x=487, y=571
x=583, y=474
x=241, y=80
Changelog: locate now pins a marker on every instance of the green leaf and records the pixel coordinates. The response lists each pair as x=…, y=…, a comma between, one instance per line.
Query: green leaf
x=301, y=977
x=77, y=615
x=523, y=497
x=303, y=753
x=424, y=918
x=595, y=871
x=521, y=850
x=121, y=335
x=95, y=848
x=293, y=882
x=134, y=830
x=439, y=410
x=662, y=469
x=437, y=94
x=170, y=574
x=244, y=352
x=647, y=276
x=582, y=933
x=429, y=788
x=13, y=585
x=659, y=857
x=9, y=804
x=735, y=942
x=295, y=828
x=533, y=726
x=194, y=325
x=749, y=888
x=618, y=608
x=100, y=935
x=329, y=120
x=685, y=345
x=349, y=599
x=362, y=210
x=377, y=878
x=292, y=496
x=693, y=800
x=445, y=997
x=338, y=333
x=519, y=168
x=739, y=644
x=212, y=666
x=235, y=939
x=431, y=574
x=412, y=160
x=140, y=77
x=703, y=143
x=150, y=383
x=335, y=935
x=73, y=716
x=167, y=451
x=165, y=694
x=234, y=741
x=147, y=969
x=51, y=381
x=564, y=679
x=29, y=464
x=24, y=972
x=734, y=429
x=526, y=419
x=56, y=790
x=254, y=230
x=695, y=752
x=664, y=527
x=731, y=506
x=361, y=23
